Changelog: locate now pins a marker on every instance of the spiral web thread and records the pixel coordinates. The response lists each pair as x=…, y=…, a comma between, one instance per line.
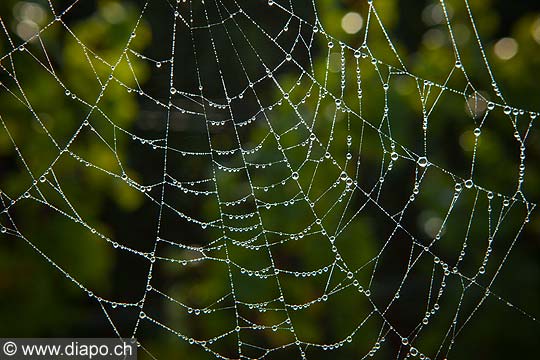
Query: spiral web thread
x=240, y=219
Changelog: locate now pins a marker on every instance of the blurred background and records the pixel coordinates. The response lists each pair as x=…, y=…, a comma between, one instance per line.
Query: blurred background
x=79, y=237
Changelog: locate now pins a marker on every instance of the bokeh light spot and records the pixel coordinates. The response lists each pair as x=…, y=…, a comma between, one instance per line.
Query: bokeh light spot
x=352, y=22
x=506, y=48
x=535, y=30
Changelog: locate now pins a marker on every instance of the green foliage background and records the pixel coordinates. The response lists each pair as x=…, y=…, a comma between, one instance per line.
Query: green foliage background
x=37, y=300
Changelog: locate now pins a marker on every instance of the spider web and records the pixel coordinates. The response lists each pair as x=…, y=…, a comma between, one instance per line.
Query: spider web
x=309, y=181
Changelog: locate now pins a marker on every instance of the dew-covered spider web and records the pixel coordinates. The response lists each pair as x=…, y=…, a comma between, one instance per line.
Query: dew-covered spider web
x=300, y=195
